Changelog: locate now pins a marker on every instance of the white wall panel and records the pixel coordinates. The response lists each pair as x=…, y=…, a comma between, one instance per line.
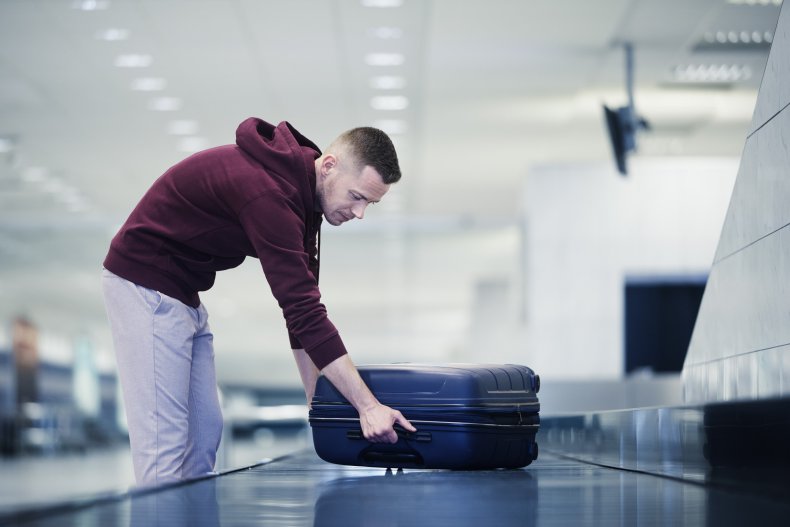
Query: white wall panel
x=588, y=229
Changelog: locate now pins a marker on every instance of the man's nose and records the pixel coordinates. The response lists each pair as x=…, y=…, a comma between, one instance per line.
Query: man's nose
x=358, y=210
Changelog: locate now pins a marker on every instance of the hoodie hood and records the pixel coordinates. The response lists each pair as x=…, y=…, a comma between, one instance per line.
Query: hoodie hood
x=282, y=151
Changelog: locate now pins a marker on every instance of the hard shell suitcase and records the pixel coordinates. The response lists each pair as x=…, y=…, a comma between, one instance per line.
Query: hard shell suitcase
x=468, y=416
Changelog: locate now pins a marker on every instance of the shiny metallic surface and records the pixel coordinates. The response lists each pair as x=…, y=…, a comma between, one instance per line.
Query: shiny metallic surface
x=303, y=490
x=740, y=348
x=740, y=446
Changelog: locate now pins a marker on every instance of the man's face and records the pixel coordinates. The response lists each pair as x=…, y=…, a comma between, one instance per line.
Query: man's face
x=344, y=192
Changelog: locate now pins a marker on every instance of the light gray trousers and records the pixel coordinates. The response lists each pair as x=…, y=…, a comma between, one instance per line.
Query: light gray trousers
x=165, y=356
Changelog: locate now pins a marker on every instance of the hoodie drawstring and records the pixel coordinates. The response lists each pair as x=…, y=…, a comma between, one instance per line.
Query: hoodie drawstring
x=318, y=254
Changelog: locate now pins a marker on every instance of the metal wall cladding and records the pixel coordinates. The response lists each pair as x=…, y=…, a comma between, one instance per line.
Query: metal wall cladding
x=740, y=348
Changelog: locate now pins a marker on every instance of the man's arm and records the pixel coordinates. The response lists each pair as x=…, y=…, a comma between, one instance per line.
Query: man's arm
x=375, y=419
x=308, y=372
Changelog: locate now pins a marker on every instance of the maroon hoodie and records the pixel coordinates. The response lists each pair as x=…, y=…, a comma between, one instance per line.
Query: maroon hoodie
x=209, y=212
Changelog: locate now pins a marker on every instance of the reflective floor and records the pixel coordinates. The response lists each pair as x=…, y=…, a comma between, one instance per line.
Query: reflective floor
x=27, y=482
x=303, y=490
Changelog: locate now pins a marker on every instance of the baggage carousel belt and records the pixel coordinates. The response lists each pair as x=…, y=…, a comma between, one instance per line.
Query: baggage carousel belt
x=300, y=489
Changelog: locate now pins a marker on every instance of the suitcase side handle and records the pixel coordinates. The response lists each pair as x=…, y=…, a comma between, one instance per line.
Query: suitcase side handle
x=421, y=437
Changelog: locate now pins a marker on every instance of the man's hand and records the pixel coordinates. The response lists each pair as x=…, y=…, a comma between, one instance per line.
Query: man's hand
x=375, y=419
x=377, y=423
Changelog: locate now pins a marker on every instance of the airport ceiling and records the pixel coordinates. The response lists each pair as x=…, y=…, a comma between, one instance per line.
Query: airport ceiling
x=98, y=97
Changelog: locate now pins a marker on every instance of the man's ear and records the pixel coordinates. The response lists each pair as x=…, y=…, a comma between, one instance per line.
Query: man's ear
x=328, y=162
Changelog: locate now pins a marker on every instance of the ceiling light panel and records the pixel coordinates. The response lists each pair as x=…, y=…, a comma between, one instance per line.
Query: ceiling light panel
x=113, y=34
x=389, y=102
x=756, y=3
x=91, y=5
x=711, y=73
x=386, y=53
x=382, y=3
x=740, y=26
x=165, y=104
x=732, y=40
x=385, y=32
x=387, y=82
x=133, y=60
x=384, y=59
x=149, y=84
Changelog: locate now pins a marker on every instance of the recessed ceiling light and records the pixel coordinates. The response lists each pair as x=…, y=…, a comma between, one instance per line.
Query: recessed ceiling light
x=149, y=84
x=389, y=102
x=133, y=60
x=391, y=126
x=182, y=127
x=382, y=3
x=192, y=144
x=90, y=5
x=384, y=59
x=113, y=34
x=165, y=104
x=712, y=73
x=387, y=82
x=755, y=2
x=745, y=40
x=385, y=32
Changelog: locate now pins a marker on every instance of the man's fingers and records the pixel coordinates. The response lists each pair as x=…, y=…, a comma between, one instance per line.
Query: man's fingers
x=404, y=422
x=388, y=435
x=378, y=425
x=385, y=436
x=392, y=436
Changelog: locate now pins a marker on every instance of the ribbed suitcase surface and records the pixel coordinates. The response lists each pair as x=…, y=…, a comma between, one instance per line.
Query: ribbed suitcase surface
x=468, y=416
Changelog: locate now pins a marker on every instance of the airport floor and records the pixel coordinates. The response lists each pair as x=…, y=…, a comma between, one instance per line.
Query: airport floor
x=718, y=464
x=37, y=481
x=300, y=489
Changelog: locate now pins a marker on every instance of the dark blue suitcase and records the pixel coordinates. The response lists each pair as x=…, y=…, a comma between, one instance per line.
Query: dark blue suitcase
x=468, y=416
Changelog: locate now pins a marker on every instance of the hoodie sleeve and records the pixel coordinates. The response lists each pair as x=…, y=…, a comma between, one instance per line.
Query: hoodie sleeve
x=276, y=229
x=313, y=265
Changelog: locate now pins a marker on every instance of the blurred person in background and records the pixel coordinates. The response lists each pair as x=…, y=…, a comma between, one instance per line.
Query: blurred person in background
x=263, y=197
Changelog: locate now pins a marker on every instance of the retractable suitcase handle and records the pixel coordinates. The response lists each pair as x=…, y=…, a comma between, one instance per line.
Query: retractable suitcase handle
x=401, y=454
x=421, y=437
